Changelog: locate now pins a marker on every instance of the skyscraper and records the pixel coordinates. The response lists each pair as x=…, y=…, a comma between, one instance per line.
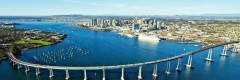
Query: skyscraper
x=94, y=22
x=135, y=27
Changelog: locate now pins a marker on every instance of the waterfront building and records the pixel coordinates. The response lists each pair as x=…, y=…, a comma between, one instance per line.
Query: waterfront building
x=113, y=23
x=155, y=26
x=158, y=25
x=139, y=21
x=135, y=27
x=146, y=21
x=107, y=22
x=103, y=25
x=162, y=24
x=120, y=23
x=100, y=21
x=94, y=22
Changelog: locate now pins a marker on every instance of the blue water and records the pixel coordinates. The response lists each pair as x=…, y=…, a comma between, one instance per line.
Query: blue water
x=110, y=48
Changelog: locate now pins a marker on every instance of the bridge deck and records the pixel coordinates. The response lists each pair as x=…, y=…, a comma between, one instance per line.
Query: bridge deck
x=12, y=58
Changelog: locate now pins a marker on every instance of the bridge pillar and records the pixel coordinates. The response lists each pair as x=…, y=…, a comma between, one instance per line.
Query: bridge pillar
x=168, y=68
x=14, y=63
x=51, y=73
x=234, y=49
x=209, y=57
x=155, y=70
x=27, y=69
x=85, y=74
x=140, y=72
x=37, y=71
x=103, y=74
x=224, y=53
x=67, y=74
x=189, y=64
x=179, y=65
x=122, y=78
x=19, y=66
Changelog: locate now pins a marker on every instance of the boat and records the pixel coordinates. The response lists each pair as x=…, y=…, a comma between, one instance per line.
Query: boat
x=129, y=35
x=196, y=45
x=148, y=37
x=120, y=33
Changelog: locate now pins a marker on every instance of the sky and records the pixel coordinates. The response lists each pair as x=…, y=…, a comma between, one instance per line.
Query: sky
x=118, y=7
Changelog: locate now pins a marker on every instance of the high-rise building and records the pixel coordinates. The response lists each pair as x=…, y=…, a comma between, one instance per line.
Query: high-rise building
x=100, y=21
x=154, y=26
x=158, y=25
x=135, y=27
x=94, y=22
x=113, y=23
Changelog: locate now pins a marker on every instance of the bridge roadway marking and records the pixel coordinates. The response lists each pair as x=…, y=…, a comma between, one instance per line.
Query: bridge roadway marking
x=12, y=58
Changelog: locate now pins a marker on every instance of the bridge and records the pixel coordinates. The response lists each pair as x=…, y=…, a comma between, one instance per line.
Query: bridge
x=20, y=63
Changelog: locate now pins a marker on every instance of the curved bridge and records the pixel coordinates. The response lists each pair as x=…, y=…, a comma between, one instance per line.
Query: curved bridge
x=12, y=58
x=66, y=68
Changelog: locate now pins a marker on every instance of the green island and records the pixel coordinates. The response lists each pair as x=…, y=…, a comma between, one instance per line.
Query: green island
x=23, y=39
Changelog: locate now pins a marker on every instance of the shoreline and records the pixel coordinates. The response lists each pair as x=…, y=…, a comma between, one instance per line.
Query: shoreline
x=160, y=40
x=27, y=39
x=20, y=52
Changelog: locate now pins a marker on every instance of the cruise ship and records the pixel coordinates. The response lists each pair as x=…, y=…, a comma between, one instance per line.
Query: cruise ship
x=129, y=35
x=148, y=37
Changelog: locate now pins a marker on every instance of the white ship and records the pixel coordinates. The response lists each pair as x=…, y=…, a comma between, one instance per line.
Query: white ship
x=129, y=35
x=148, y=37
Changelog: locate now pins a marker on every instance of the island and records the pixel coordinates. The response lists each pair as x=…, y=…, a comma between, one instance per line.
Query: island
x=24, y=39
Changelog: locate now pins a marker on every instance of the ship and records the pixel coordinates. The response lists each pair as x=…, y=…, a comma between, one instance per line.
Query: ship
x=148, y=37
x=129, y=35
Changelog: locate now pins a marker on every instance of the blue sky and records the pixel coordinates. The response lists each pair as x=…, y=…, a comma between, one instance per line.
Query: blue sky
x=119, y=7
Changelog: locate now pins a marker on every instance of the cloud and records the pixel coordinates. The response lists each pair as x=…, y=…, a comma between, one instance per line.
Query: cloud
x=107, y=4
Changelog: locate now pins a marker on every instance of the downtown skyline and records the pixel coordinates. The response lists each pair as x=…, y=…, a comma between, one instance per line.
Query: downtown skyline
x=123, y=7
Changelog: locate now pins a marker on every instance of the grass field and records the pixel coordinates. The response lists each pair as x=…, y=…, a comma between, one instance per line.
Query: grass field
x=32, y=41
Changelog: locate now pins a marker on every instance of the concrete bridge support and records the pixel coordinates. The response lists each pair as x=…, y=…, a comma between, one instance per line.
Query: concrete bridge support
x=189, y=64
x=234, y=50
x=38, y=71
x=27, y=69
x=209, y=57
x=224, y=53
x=51, y=73
x=14, y=63
x=67, y=75
x=19, y=66
x=103, y=74
x=85, y=74
x=122, y=78
x=179, y=65
x=168, y=68
x=155, y=70
x=140, y=72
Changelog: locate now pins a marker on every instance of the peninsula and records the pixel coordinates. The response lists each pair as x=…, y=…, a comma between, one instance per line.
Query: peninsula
x=24, y=39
